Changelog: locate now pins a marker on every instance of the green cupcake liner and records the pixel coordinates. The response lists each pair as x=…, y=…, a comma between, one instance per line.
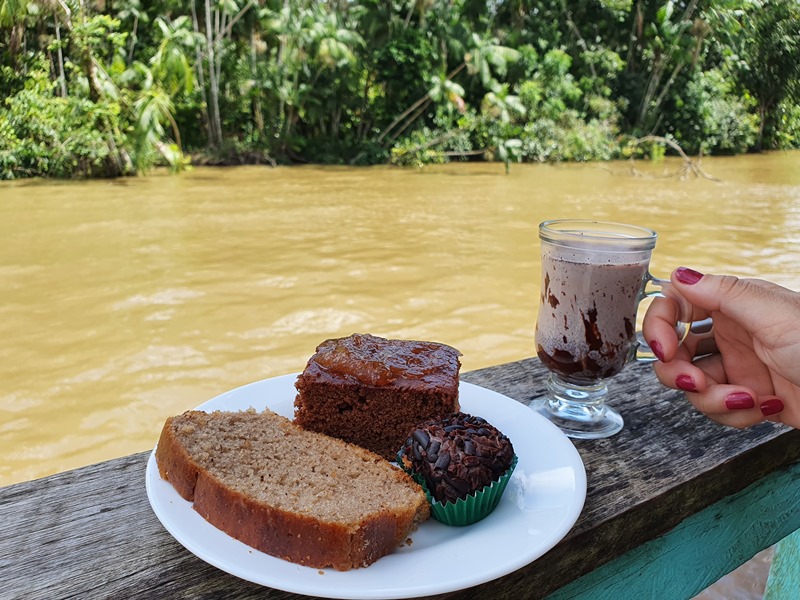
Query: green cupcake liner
x=465, y=511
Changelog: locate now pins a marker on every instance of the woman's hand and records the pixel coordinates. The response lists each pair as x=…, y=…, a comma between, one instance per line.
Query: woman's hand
x=753, y=370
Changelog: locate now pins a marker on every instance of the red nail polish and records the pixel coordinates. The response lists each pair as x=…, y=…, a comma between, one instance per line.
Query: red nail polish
x=685, y=383
x=687, y=276
x=657, y=350
x=739, y=400
x=771, y=407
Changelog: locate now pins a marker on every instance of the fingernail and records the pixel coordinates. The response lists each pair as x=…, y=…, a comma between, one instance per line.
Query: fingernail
x=687, y=276
x=739, y=400
x=771, y=407
x=685, y=383
x=657, y=350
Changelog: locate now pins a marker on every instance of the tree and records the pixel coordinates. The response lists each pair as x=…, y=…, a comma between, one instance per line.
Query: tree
x=671, y=43
x=216, y=27
x=168, y=75
x=771, y=52
x=482, y=56
x=314, y=45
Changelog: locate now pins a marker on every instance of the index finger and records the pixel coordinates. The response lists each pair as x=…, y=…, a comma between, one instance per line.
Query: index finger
x=658, y=326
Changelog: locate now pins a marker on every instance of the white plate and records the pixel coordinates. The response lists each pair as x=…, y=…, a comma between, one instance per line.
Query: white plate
x=540, y=505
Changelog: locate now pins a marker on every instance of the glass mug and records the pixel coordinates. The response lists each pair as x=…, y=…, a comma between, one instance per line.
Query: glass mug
x=594, y=275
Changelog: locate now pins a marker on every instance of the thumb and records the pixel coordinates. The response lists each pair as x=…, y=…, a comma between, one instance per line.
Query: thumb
x=753, y=303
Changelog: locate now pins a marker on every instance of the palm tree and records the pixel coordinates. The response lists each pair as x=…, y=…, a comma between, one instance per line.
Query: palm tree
x=484, y=55
x=312, y=41
x=13, y=17
x=168, y=75
x=170, y=64
x=132, y=11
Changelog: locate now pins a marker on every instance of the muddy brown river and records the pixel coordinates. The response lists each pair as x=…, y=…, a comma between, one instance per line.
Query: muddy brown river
x=127, y=301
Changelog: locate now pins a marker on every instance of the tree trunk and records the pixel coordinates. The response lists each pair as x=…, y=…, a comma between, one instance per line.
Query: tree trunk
x=415, y=106
x=62, y=80
x=132, y=45
x=762, y=114
x=213, y=92
x=258, y=115
x=201, y=78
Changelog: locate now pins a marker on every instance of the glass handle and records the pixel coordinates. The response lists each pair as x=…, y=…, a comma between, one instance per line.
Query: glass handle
x=661, y=288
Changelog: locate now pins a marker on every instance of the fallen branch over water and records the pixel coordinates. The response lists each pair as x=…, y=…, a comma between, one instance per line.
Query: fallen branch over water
x=688, y=166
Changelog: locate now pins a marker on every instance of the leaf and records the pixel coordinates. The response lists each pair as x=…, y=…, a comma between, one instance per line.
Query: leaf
x=664, y=13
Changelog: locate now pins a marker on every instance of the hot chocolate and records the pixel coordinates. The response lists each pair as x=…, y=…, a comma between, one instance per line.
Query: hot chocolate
x=593, y=276
x=587, y=316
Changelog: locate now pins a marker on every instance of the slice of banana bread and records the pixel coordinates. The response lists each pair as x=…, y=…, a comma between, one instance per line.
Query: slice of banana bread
x=298, y=495
x=372, y=391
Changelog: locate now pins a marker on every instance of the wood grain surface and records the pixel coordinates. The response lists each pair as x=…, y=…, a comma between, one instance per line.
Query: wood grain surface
x=784, y=575
x=90, y=533
x=687, y=559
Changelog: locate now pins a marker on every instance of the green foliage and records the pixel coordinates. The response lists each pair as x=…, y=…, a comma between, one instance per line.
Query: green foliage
x=570, y=139
x=416, y=150
x=711, y=119
x=770, y=48
x=170, y=63
x=568, y=120
x=109, y=89
x=45, y=136
x=784, y=129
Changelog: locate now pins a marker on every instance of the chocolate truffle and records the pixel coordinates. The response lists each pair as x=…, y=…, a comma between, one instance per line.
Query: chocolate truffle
x=456, y=455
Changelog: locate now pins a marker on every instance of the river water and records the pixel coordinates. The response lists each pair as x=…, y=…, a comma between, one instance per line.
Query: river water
x=127, y=301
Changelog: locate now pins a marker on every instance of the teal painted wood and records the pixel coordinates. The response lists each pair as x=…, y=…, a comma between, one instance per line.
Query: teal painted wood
x=784, y=574
x=702, y=548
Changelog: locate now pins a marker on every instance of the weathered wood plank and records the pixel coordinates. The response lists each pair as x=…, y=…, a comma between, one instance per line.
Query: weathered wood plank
x=91, y=532
x=784, y=574
x=696, y=553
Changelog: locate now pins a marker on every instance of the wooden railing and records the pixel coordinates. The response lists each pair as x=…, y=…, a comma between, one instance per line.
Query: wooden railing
x=674, y=502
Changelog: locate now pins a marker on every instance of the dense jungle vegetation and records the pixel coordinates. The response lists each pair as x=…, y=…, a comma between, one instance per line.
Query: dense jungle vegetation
x=97, y=89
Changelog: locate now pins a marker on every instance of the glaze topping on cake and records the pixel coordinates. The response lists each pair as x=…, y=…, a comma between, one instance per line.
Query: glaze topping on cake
x=375, y=361
x=371, y=391
x=457, y=455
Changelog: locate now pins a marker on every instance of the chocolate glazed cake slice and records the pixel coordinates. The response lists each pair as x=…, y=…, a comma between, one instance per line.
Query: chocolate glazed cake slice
x=372, y=391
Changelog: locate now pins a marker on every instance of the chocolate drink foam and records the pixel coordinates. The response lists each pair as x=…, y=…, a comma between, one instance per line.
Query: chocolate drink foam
x=587, y=315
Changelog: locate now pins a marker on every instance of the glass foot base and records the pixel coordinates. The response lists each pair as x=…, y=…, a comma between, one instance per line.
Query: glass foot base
x=579, y=411
x=580, y=422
